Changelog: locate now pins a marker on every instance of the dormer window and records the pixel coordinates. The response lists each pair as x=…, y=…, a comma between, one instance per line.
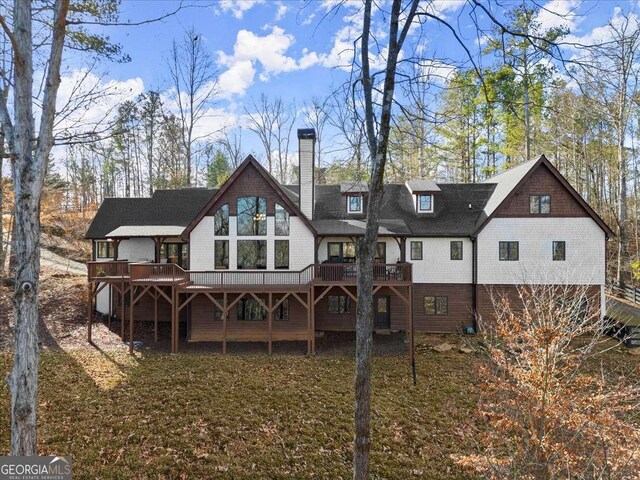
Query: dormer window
x=424, y=203
x=354, y=203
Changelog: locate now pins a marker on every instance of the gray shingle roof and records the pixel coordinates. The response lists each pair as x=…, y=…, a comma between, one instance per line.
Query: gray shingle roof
x=423, y=186
x=165, y=207
x=354, y=187
x=451, y=216
x=505, y=182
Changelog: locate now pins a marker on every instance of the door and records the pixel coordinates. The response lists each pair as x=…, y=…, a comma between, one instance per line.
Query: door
x=383, y=314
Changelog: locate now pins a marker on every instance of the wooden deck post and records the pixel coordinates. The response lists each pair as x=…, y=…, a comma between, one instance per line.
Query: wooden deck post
x=410, y=296
x=270, y=322
x=90, y=312
x=155, y=316
x=110, y=304
x=177, y=304
x=312, y=306
x=131, y=305
x=122, y=308
x=225, y=313
x=310, y=332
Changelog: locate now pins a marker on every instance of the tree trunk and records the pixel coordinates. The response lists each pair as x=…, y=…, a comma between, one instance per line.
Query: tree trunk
x=23, y=381
x=28, y=177
x=378, y=146
x=2, y=247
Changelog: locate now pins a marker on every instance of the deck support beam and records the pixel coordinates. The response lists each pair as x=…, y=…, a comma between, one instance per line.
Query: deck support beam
x=225, y=314
x=411, y=326
x=312, y=308
x=270, y=322
x=90, y=312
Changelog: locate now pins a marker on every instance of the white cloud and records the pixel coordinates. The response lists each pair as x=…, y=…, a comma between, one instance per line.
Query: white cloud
x=281, y=12
x=269, y=51
x=85, y=100
x=236, y=7
x=559, y=13
x=605, y=33
x=237, y=78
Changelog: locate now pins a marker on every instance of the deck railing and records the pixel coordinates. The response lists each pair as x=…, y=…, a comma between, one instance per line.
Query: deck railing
x=230, y=278
x=169, y=273
x=107, y=270
x=157, y=273
x=347, y=273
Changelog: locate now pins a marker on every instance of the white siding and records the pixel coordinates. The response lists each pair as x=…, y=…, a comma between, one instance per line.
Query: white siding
x=585, y=251
x=137, y=250
x=393, y=249
x=436, y=265
x=201, y=255
x=301, y=242
x=301, y=245
x=102, y=299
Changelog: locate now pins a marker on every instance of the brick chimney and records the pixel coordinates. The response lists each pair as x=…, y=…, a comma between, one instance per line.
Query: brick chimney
x=306, y=164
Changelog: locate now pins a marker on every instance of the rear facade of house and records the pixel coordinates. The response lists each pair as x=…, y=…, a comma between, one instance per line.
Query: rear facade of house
x=259, y=261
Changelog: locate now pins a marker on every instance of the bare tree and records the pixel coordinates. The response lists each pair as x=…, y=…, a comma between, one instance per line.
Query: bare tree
x=377, y=119
x=272, y=122
x=194, y=79
x=30, y=152
x=612, y=71
x=316, y=114
x=231, y=145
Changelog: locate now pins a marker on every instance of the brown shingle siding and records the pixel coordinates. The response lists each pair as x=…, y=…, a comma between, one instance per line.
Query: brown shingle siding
x=542, y=182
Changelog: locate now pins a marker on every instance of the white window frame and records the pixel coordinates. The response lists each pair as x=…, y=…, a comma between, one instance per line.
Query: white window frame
x=418, y=209
x=349, y=204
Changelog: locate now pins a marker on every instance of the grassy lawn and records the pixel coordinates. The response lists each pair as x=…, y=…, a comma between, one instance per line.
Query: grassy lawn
x=246, y=416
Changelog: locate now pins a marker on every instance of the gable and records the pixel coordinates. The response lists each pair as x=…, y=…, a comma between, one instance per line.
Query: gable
x=542, y=181
x=250, y=184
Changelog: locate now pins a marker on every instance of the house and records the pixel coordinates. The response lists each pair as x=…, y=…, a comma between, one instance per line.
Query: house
x=259, y=261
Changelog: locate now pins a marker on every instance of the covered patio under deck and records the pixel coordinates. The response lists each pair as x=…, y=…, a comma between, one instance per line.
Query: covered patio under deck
x=208, y=302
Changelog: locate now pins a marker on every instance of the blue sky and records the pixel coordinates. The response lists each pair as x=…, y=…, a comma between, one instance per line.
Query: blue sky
x=285, y=48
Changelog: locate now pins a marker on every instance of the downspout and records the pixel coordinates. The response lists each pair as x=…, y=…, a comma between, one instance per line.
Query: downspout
x=474, y=282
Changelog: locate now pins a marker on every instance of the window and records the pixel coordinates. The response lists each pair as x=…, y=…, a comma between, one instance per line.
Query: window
x=221, y=221
x=177, y=253
x=339, y=304
x=416, y=250
x=436, y=305
x=281, y=313
x=456, y=250
x=509, y=251
x=250, y=309
x=334, y=251
x=339, y=252
x=381, y=252
x=252, y=254
x=281, y=221
x=354, y=204
x=424, y=203
x=221, y=253
x=281, y=254
x=217, y=313
x=104, y=249
x=349, y=252
x=559, y=251
x=540, y=204
x=252, y=216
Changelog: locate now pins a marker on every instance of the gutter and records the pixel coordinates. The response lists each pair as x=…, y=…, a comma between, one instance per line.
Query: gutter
x=474, y=282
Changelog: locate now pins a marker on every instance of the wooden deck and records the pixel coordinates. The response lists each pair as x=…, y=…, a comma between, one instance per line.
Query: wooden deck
x=399, y=274
x=222, y=290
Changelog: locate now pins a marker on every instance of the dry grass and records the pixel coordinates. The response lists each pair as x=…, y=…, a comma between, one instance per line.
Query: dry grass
x=250, y=416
